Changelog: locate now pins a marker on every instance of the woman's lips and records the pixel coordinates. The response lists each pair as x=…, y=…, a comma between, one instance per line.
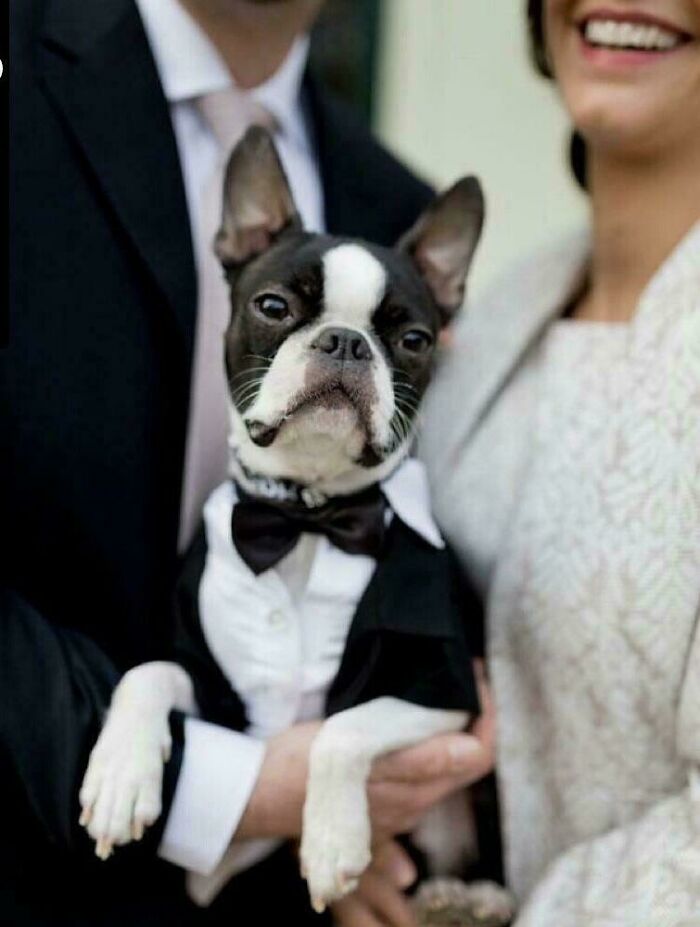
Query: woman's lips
x=615, y=40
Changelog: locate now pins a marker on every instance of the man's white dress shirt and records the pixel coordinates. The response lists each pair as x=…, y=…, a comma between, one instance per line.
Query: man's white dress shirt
x=190, y=67
x=219, y=766
x=191, y=70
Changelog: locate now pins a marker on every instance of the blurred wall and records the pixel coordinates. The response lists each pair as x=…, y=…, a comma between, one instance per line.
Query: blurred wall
x=456, y=94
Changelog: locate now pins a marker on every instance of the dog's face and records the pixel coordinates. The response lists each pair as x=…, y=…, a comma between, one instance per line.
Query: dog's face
x=331, y=341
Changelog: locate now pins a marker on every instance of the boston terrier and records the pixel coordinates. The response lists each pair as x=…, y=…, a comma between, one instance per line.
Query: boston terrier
x=328, y=351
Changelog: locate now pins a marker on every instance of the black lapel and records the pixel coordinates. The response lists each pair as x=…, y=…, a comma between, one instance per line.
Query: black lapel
x=409, y=592
x=408, y=637
x=218, y=702
x=366, y=193
x=98, y=69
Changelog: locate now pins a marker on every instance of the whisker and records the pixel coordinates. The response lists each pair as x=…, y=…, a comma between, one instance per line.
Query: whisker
x=407, y=408
x=245, y=373
x=253, y=378
x=248, y=389
x=245, y=392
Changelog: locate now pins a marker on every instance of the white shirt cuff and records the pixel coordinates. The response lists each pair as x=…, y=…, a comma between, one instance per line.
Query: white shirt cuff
x=219, y=770
x=202, y=889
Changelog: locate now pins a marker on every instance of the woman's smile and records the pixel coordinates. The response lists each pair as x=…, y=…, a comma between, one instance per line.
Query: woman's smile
x=622, y=39
x=629, y=70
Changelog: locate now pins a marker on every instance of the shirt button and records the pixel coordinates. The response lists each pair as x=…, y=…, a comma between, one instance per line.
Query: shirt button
x=277, y=618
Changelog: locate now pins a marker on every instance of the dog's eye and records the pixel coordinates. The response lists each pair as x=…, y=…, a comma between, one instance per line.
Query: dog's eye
x=273, y=307
x=416, y=341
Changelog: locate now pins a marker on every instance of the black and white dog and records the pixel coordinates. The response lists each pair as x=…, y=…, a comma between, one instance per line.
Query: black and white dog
x=329, y=349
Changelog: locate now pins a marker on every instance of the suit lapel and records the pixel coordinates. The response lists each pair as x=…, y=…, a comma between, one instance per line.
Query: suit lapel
x=409, y=636
x=350, y=187
x=328, y=133
x=98, y=70
x=409, y=594
x=409, y=591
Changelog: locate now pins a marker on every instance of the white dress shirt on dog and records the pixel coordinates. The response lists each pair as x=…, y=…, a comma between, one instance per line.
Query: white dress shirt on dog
x=278, y=638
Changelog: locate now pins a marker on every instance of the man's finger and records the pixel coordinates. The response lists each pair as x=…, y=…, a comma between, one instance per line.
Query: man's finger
x=393, y=861
x=354, y=912
x=386, y=900
x=397, y=807
x=461, y=756
x=484, y=726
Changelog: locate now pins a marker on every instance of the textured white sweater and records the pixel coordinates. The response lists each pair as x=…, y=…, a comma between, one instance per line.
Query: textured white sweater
x=565, y=464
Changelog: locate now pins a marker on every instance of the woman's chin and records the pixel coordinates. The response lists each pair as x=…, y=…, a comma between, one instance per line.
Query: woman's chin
x=621, y=122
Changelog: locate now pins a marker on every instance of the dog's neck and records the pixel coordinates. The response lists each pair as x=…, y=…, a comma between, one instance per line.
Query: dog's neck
x=283, y=491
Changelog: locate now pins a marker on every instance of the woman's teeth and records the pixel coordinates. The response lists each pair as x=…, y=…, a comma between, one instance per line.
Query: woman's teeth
x=613, y=34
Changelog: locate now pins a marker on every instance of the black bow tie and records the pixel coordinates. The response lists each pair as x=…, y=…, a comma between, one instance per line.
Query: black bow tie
x=264, y=531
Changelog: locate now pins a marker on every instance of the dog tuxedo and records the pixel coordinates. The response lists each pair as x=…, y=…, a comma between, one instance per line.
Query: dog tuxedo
x=319, y=587
x=326, y=629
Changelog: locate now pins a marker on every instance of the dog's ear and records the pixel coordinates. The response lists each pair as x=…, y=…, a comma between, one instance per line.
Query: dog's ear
x=443, y=240
x=258, y=205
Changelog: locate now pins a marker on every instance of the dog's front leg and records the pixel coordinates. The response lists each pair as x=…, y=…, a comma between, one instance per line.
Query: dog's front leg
x=121, y=791
x=336, y=838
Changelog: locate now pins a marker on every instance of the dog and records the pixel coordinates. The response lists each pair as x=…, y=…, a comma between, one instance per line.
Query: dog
x=329, y=349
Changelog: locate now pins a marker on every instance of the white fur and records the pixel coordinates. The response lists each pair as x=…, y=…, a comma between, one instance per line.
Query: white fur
x=336, y=837
x=121, y=791
x=354, y=283
x=320, y=447
x=314, y=460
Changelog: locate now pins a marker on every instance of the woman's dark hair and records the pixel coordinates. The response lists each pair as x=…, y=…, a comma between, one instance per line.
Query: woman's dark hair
x=538, y=49
x=540, y=59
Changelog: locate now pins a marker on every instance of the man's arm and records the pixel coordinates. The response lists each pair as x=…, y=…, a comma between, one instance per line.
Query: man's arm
x=55, y=685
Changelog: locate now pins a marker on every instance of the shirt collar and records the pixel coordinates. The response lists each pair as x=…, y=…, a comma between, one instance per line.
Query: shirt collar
x=189, y=65
x=408, y=495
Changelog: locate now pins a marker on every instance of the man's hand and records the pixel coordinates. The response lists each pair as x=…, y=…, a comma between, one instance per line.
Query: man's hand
x=432, y=769
x=405, y=784
x=402, y=787
x=276, y=804
x=379, y=899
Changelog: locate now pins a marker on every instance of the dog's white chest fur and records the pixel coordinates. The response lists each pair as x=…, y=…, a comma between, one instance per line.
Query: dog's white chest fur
x=278, y=646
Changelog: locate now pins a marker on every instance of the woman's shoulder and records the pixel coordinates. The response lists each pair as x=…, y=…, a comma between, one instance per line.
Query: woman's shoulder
x=492, y=333
x=543, y=279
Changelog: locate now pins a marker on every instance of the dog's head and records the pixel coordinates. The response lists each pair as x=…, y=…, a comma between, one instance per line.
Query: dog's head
x=331, y=341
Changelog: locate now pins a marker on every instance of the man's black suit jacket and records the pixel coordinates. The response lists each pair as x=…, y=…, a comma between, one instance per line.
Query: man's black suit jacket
x=94, y=393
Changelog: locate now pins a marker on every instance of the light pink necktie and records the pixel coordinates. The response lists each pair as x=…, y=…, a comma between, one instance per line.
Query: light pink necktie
x=228, y=113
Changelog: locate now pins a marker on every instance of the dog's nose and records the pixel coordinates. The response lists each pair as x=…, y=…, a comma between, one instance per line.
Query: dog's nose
x=343, y=344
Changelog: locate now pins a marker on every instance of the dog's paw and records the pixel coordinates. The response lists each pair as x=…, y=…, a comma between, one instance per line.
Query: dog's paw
x=121, y=792
x=336, y=838
x=334, y=854
x=453, y=903
x=332, y=864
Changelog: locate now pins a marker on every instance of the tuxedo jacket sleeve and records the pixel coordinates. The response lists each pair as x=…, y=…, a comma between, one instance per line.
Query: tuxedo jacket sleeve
x=55, y=688
x=55, y=685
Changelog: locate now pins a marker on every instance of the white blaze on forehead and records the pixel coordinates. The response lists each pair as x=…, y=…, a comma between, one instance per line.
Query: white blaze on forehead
x=354, y=282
